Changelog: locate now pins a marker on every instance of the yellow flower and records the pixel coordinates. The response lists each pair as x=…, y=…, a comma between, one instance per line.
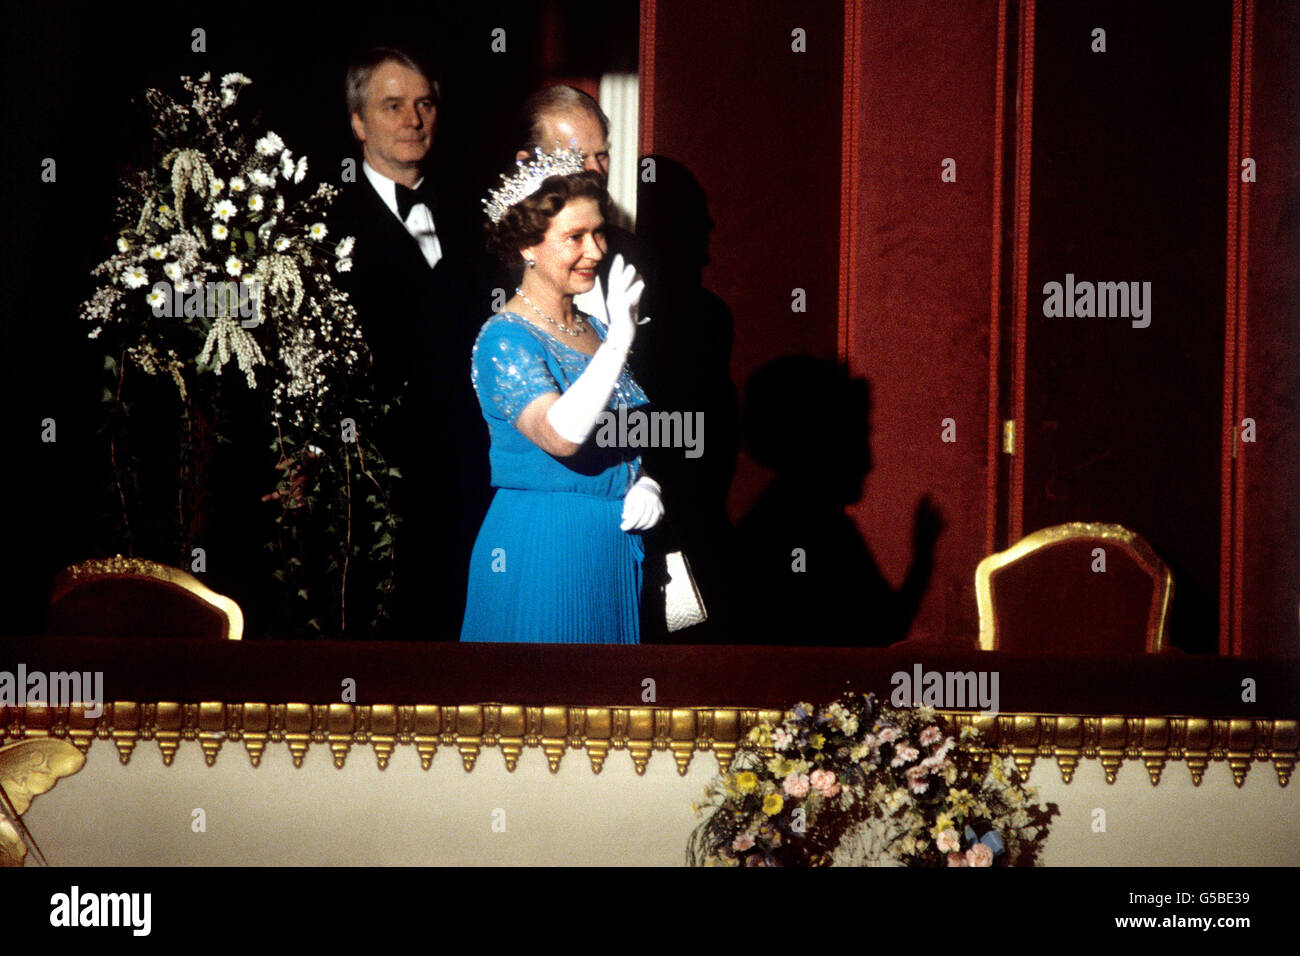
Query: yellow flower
x=780, y=767
x=960, y=801
x=746, y=781
x=772, y=804
x=944, y=822
x=818, y=741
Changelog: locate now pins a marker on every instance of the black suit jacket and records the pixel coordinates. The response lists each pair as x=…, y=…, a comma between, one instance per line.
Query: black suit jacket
x=420, y=324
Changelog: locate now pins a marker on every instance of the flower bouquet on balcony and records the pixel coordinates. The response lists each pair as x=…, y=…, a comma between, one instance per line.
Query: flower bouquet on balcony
x=858, y=783
x=223, y=258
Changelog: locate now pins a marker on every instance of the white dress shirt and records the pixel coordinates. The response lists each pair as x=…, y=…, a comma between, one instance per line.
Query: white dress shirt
x=419, y=221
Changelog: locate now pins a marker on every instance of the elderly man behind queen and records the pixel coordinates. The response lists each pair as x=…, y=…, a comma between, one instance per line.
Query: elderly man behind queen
x=566, y=116
x=416, y=287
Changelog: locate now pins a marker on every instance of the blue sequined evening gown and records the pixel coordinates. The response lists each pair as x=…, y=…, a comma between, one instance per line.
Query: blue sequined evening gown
x=550, y=563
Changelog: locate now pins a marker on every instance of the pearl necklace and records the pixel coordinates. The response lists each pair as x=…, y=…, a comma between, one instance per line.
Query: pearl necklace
x=579, y=326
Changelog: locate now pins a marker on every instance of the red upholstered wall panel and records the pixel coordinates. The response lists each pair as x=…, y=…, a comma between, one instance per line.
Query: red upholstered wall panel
x=1271, y=466
x=758, y=125
x=920, y=320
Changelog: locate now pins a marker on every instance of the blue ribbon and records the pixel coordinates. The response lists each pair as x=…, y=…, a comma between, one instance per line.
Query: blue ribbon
x=991, y=840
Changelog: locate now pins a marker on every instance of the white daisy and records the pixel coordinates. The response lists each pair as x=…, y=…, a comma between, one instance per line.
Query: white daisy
x=158, y=253
x=270, y=145
x=317, y=230
x=173, y=270
x=156, y=298
x=261, y=179
x=344, y=248
x=217, y=186
x=301, y=170
x=219, y=231
x=344, y=265
x=279, y=204
x=122, y=244
x=286, y=165
x=234, y=266
x=281, y=244
x=237, y=184
x=224, y=209
x=256, y=202
x=135, y=277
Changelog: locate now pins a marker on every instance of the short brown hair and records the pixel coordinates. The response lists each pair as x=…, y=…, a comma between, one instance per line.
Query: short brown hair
x=525, y=223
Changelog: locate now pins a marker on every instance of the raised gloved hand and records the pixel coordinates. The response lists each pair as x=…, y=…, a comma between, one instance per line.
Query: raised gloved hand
x=622, y=300
x=575, y=413
x=642, y=505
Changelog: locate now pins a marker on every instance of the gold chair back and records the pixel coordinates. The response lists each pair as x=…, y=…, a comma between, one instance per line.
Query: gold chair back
x=134, y=597
x=1060, y=602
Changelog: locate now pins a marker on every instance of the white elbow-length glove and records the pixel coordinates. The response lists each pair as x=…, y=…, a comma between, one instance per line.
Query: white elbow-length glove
x=575, y=413
x=642, y=505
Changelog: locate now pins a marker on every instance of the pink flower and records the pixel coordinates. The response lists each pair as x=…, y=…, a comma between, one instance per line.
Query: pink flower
x=917, y=779
x=949, y=842
x=930, y=735
x=824, y=781
x=956, y=859
x=743, y=842
x=979, y=855
x=796, y=785
x=904, y=754
x=888, y=735
x=781, y=740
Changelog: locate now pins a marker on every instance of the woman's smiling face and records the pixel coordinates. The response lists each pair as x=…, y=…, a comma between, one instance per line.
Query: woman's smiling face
x=573, y=245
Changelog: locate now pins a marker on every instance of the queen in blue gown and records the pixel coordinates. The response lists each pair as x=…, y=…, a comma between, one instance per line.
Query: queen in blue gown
x=558, y=557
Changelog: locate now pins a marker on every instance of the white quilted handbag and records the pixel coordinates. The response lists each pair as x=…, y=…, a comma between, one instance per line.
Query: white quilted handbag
x=683, y=605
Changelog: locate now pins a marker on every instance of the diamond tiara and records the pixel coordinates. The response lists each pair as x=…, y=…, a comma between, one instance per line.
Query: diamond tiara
x=528, y=178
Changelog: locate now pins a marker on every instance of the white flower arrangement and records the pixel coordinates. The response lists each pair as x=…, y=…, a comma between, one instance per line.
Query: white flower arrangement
x=221, y=259
x=182, y=225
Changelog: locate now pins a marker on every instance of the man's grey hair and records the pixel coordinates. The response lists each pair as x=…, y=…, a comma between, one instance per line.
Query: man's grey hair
x=361, y=69
x=554, y=101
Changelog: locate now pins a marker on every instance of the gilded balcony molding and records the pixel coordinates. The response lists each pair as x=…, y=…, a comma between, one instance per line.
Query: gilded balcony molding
x=469, y=729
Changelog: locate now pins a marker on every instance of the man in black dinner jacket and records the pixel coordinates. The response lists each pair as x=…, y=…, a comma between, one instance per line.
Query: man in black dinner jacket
x=413, y=284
